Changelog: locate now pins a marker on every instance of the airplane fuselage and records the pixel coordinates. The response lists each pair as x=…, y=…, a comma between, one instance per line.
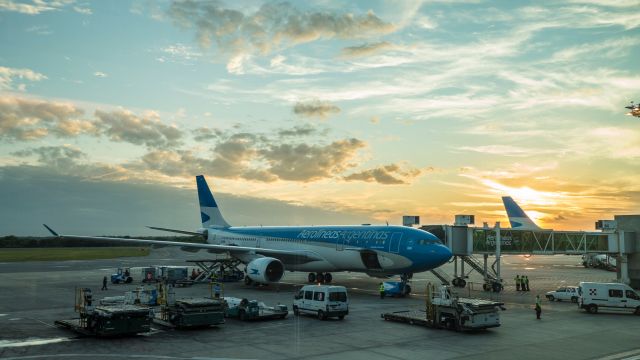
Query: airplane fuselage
x=371, y=249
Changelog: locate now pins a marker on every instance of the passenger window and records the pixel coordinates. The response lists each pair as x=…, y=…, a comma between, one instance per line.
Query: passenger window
x=318, y=296
x=615, y=293
x=632, y=295
x=308, y=295
x=561, y=290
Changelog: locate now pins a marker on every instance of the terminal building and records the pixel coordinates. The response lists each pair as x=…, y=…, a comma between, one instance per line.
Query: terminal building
x=473, y=246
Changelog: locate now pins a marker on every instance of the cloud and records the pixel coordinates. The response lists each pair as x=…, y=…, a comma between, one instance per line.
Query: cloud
x=273, y=26
x=255, y=156
x=100, y=74
x=39, y=29
x=507, y=150
x=125, y=126
x=391, y=174
x=35, y=7
x=83, y=10
x=304, y=162
x=80, y=205
x=30, y=119
x=25, y=119
x=9, y=75
x=316, y=108
x=298, y=131
x=205, y=134
x=180, y=53
x=367, y=49
x=63, y=158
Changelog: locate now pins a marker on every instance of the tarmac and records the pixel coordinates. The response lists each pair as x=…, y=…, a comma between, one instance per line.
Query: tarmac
x=35, y=294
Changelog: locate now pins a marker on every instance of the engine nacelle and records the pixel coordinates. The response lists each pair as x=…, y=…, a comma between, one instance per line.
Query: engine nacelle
x=204, y=233
x=265, y=270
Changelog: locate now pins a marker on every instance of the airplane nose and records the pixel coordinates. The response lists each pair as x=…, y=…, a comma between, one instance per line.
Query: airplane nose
x=443, y=254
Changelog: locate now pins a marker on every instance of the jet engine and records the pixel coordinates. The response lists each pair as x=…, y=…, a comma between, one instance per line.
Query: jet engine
x=204, y=233
x=265, y=270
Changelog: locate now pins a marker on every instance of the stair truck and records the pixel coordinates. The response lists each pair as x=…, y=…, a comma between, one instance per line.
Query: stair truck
x=446, y=310
x=106, y=321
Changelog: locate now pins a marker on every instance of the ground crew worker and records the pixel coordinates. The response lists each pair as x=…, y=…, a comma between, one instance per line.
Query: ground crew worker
x=526, y=283
x=216, y=290
x=538, y=307
x=104, y=283
x=381, y=290
x=517, y=282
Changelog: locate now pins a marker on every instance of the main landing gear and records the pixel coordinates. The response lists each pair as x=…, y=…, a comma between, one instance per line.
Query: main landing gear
x=323, y=278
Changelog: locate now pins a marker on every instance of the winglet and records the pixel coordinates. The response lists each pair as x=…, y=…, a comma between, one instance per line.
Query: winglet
x=51, y=230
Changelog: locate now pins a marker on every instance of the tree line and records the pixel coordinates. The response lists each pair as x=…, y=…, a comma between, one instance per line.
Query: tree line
x=12, y=241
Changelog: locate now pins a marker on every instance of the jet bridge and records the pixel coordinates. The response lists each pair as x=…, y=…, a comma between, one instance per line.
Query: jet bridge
x=467, y=242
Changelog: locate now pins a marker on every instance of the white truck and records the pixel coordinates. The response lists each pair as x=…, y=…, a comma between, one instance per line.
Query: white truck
x=608, y=296
x=568, y=293
x=443, y=309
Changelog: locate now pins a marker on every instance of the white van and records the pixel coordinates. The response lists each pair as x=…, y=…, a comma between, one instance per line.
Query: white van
x=609, y=296
x=322, y=300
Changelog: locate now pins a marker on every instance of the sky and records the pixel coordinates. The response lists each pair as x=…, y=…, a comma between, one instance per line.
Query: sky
x=316, y=112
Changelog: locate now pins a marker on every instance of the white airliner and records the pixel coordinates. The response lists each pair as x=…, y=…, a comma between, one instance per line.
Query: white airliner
x=268, y=251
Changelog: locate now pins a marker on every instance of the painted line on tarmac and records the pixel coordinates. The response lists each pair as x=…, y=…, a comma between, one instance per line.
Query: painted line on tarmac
x=117, y=356
x=30, y=342
x=623, y=355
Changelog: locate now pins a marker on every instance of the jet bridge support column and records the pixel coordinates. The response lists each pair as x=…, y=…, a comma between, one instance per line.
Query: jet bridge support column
x=622, y=256
x=486, y=258
x=498, y=250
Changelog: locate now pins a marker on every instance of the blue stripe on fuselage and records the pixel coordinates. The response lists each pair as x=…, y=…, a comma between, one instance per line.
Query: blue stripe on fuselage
x=414, y=244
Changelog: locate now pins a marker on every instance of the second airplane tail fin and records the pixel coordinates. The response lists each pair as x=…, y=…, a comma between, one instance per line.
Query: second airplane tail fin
x=209, y=211
x=517, y=217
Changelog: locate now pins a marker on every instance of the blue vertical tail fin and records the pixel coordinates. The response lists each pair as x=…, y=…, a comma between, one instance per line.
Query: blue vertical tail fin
x=517, y=217
x=209, y=211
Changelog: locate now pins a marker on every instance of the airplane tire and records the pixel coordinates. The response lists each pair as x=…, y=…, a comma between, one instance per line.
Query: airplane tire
x=407, y=290
x=328, y=278
x=320, y=277
x=311, y=278
x=454, y=282
x=462, y=283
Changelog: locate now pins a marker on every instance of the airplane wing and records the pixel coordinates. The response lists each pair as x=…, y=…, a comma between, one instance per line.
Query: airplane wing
x=287, y=257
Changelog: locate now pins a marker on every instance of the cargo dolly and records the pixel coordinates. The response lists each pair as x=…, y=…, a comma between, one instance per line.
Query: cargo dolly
x=190, y=313
x=106, y=321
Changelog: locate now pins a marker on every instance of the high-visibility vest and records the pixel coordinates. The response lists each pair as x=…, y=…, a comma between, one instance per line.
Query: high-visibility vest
x=381, y=287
